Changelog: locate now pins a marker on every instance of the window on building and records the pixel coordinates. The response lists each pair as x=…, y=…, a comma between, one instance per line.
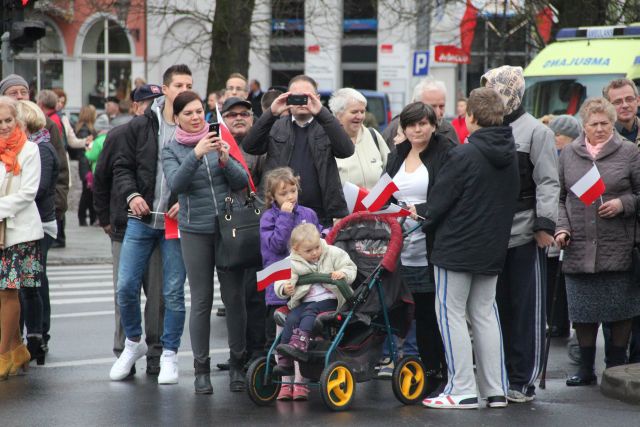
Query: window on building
x=41, y=65
x=360, y=79
x=106, y=63
x=282, y=77
x=360, y=17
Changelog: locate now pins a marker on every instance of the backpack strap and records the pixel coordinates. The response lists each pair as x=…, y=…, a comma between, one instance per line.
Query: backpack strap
x=375, y=139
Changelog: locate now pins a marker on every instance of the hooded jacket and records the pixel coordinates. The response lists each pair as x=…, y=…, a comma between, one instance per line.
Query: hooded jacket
x=136, y=166
x=275, y=231
x=331, y=259
x=472, y=203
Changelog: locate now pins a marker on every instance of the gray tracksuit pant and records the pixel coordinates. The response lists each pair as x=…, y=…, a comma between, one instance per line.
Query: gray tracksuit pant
x=459, y=295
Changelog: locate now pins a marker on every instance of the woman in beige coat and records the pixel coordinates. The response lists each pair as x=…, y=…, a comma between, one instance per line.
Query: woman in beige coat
x=598, y=238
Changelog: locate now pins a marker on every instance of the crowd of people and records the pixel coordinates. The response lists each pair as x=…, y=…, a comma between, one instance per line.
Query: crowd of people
x=492, y=194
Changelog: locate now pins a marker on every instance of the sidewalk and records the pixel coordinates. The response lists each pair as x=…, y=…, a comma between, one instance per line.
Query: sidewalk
x=85, y=245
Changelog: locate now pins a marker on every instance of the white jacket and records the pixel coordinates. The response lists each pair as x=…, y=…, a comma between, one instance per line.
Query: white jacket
x=18, y=207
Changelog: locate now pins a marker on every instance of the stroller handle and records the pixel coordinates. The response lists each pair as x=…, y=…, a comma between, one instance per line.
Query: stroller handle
x=341, y=284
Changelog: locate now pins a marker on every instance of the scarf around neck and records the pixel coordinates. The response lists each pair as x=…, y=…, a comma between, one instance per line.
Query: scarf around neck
x=10, y=147
x=41, y=136
x=190, y=139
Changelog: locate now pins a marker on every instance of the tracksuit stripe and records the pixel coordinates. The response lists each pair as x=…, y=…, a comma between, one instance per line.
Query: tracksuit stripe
x=538, y=316
x=446, y=317
x=441, y=323
x=503, y=370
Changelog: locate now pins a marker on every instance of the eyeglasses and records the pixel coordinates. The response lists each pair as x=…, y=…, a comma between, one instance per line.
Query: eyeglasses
x=628, y=100
x=244, y=115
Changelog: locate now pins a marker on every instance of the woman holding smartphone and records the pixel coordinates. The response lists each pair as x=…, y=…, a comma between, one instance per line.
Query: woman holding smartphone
x=198, y=167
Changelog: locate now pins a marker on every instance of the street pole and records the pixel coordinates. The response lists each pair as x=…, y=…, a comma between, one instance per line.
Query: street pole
x=7, y=56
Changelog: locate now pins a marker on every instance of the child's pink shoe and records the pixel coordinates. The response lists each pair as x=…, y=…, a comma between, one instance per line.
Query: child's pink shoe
x=286, y=392
x=300, y=392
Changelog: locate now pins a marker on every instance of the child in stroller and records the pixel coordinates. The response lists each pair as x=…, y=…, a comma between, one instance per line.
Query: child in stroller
x=309, y=254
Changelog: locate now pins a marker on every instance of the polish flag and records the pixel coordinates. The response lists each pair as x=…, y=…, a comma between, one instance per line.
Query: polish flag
x=171, y=230
x=280, y=270
x=589, y=187
x=234, y=149
x=353, y=195
x=380, y=193
x=394, y=210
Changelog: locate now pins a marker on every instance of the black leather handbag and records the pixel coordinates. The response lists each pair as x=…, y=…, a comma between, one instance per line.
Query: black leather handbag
x=238, y=242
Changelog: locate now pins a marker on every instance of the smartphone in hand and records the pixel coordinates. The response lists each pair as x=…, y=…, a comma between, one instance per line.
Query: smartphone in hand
x=297, y=100
x=215, y=128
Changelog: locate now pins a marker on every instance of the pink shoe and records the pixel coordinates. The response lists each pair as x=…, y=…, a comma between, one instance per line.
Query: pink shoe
x=300, y=392
x=286, y=392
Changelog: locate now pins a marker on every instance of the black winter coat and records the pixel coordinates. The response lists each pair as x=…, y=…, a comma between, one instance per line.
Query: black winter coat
x=137, y=160
x=46, y=195
x=110, y=206
x=471, y=206
x=275, y=137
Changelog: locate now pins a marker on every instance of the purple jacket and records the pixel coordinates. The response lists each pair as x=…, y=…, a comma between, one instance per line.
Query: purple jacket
x=275, y=231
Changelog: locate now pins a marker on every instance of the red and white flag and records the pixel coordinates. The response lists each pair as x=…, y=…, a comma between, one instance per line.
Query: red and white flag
x=589, y=187
x=380, y=193
x=353, y=195
x=394, y=210
x=234, y=149
x=171, y=230
x=280, y=270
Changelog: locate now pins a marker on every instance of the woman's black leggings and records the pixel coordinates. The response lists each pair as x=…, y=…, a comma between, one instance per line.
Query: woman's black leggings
x=428, y=336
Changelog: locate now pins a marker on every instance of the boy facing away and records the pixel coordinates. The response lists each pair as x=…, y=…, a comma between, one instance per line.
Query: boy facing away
x=470, y=213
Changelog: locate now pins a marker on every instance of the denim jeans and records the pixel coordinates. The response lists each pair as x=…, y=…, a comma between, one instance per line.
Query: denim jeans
x=138, y=244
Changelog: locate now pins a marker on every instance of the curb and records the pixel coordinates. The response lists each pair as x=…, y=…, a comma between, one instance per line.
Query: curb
x=79, y=261
x=622, y=382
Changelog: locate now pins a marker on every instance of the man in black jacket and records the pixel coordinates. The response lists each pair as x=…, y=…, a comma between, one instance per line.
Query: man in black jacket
x=470, y=212
x=140, y=180
x=111, y=211
x=308, y=141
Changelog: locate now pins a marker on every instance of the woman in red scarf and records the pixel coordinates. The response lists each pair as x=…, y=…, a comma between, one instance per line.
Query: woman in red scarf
x=19, y=257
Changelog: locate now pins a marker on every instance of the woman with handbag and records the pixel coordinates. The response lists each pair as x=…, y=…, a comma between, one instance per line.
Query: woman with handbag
x=599, y=237
x=36, y=306
x=198, y=167
x=21, y=229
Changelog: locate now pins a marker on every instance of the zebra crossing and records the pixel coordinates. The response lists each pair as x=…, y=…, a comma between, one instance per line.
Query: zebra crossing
x=87, y=290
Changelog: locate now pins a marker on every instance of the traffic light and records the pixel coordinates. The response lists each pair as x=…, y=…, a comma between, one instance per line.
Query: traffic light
x=22, y=32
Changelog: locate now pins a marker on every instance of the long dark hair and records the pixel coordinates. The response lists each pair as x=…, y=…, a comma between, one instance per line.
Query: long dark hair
x=183, y=99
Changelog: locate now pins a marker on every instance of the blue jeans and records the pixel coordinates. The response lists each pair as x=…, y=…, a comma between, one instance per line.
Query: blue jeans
x=139, y=242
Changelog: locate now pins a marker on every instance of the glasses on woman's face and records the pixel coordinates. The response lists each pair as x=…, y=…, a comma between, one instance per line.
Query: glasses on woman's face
x=244, y=115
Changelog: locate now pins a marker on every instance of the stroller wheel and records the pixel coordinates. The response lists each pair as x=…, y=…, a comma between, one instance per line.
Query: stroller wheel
x=409, y=380
x=337, y=386
x=261, y=391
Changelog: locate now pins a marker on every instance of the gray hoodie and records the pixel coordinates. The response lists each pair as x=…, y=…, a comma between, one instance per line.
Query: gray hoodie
x=166, y=132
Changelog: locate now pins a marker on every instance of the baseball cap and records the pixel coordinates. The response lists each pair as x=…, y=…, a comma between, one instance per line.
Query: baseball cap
x=148, y=91
x=232, y=102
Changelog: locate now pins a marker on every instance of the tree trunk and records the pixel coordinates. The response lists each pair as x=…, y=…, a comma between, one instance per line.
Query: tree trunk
x=230, y=38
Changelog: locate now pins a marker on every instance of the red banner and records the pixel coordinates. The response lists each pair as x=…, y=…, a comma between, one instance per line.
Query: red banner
x=462, y=54
x=453, y=54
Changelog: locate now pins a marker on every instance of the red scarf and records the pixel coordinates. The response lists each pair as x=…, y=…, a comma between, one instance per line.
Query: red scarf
x=10, y=147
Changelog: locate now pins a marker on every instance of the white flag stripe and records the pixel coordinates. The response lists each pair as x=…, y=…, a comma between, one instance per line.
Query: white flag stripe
x=393, y=208
x=377, y=190
x=586, y=182
x=350, y=195
x=276, y=266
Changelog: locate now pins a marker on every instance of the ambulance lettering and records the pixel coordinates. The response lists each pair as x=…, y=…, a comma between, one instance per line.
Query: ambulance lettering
x=576, y=62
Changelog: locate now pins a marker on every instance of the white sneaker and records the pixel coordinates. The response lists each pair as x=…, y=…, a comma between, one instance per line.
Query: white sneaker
x=131, y=353
x=168, y=368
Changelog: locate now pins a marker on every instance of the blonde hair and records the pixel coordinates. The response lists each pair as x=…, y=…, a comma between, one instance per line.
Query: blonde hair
x=31, y=116
x=597, y=105
x=305, y=232
x=273, y=179
x=10, y=103
x=87, y=116
x=546, y=119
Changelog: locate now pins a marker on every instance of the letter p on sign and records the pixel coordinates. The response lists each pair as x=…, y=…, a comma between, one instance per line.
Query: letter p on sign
x=421, y=63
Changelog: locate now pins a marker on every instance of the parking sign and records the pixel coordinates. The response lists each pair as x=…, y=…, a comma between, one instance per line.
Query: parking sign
x=421, y=63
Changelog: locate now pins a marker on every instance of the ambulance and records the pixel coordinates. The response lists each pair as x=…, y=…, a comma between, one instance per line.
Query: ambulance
x=578, y=65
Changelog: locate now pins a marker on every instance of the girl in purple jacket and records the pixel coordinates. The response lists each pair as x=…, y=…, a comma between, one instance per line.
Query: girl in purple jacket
x=281, y=217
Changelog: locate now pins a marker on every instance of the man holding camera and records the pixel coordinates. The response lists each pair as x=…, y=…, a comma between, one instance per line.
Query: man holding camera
x=308, y=141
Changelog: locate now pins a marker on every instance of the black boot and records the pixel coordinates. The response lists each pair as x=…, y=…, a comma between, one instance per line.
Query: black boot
x=586, y=374
x=202, y=382
x=236, y=374
x=34, y=345
x=616, y=356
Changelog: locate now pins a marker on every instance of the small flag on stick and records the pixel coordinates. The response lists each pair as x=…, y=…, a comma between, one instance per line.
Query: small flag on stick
x=171, y=230
x=280, y=270
x=589, y=187
x=380, y=193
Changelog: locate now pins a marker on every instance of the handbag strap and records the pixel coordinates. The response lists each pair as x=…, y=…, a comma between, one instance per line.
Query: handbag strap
x=635, y=223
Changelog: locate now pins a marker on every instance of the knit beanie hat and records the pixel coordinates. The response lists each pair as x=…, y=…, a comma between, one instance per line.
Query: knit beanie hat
x=508, y=81
x=12, y=80
x=566, y=125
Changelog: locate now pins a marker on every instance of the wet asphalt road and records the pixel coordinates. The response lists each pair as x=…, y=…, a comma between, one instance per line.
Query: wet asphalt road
x=73, y=388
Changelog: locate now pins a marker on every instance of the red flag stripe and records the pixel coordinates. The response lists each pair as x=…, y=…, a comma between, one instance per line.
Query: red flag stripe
x=383, y=198
x=234, y=149
x=276, y=275
x=592, y=194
